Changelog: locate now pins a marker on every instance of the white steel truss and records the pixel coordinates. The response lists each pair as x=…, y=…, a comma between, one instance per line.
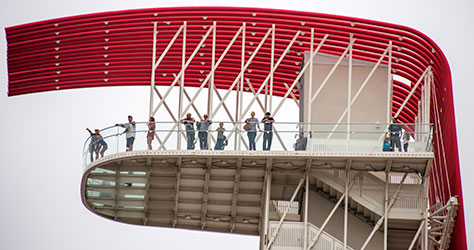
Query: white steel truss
x=440, y=221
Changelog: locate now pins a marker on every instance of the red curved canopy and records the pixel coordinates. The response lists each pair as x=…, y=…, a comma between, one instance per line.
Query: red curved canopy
x=115, y=49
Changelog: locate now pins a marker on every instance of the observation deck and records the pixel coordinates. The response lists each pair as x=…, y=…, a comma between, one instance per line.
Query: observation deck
x=225, y=190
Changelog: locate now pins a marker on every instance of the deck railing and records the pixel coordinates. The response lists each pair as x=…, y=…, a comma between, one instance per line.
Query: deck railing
x=291, y=237
x=321, y=137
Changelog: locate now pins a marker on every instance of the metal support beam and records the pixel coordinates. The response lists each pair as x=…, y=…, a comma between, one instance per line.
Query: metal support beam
x=417, y=234
x=205, y=195
x=330, y=73
x=277, y=230
x=346, y=199
x=208, y=76
x=285, y=52
x=267, y=189
x=176, y=195
x=349, y=96
x=272, y=61
x=153, y=56
x=428, y=69
x=305, y=67
x=249, y=61
x=117, y=186
x=389, y=83
x=181, y=84
x=310, y=90
x=328, y=218
x=361, y=88
x=306, y=204
x=181, y=72
x=380, y=221
x=147, y=187
x=235, y=194
x=385, y=223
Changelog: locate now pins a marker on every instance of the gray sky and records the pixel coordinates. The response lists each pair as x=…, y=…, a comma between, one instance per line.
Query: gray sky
x=43, y=134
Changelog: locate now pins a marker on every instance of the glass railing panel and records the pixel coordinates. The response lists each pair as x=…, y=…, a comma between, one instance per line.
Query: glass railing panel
x=320, y=137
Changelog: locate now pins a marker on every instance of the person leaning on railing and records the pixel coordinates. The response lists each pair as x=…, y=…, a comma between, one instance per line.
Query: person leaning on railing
x=97, y=145
x=190, y=134
x=203, y=127
x=395, y=130
x=252, y=124
x=220, y=143
x=93, y=145
x=386, y=145
x=406, y=140
x=129, y=132
x=267, y=131
x=301, y=142
x=151, y=132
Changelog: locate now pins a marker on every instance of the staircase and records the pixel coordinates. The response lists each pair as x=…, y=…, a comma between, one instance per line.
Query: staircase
x=291, y=237
x=366, y=202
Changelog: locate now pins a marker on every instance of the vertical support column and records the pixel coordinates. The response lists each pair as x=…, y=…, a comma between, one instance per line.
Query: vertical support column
x=426, y=116
x=425, y=212
x=306, y=204
x=349, y=94
x=211, y=85
x=268, y=191
x=272, y=58
x=238, y=136
x=346, y=199
x=153, y=56
x=385, y=208
x=211, y=82
x=309, y=103
x=389, y=84
x=181, y=85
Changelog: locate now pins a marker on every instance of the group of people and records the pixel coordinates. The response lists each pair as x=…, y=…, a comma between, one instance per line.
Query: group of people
x=250, y=126
x=203, y=129
x=393, y=139
x=98, y=145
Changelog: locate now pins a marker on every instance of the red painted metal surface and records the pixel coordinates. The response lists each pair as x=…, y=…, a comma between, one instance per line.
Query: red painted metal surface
x=115, y=48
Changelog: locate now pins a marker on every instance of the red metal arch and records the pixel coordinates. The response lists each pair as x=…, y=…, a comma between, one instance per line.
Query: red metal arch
x=114, y=49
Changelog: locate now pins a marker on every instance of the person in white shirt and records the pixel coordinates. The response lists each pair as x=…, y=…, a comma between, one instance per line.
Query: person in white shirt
x=130, y=129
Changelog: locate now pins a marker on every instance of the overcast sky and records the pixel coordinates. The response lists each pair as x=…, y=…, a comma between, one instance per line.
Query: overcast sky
x=43, y=134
